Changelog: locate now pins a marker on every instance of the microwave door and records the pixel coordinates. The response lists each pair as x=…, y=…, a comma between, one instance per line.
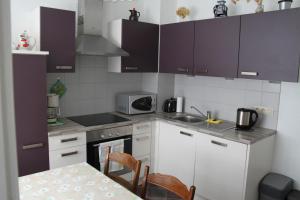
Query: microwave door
x=142, y=104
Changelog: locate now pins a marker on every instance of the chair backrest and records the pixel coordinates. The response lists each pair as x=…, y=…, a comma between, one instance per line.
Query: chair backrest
x=127, y=161
x=169, y=183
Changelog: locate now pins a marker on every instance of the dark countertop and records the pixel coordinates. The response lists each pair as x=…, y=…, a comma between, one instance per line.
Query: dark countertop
x=224, y=130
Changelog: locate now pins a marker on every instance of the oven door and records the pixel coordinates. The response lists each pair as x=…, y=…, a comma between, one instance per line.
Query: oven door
x=93, y=153
x=144, y=104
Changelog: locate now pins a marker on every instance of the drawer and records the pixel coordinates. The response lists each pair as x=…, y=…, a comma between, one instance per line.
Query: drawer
x=141, y=144
x=142, y=128
x=68, y=156
x=66, y=141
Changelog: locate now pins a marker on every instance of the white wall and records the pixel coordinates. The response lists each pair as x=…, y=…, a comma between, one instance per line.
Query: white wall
x=91, y=89
x=286, y=160
x=223, y=97
x=8, y=157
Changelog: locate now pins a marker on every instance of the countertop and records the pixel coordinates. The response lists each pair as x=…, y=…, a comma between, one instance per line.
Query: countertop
x=76, y=182
x=225, y=130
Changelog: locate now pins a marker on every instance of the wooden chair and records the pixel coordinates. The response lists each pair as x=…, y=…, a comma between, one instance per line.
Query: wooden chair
x=169, y=183
x=127, y=161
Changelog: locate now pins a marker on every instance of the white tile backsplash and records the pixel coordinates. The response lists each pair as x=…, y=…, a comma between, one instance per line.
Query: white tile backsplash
x=91, y=89
x=223, y=96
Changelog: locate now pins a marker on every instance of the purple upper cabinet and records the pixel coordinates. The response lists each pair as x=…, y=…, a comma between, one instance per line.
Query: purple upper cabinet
x=217, y=47
x=30, y=95
x=177, y=48
x=58, y=37
x=140, y=40
x=270, y=46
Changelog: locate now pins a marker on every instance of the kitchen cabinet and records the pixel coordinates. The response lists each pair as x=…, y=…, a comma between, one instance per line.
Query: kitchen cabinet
x=67, y=149
x=177, y=48
x=30, y=96
x=57, y=35
x=217, y=47
x=220, y=168
x=176, y=152
x=140, y=40
x=270, y=46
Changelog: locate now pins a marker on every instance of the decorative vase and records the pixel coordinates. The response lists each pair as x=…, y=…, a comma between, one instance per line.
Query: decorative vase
x=220, y=10
x=260, y=8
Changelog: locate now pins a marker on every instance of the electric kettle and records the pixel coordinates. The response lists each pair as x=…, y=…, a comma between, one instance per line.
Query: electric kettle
x=170, y=105
x=246, y=118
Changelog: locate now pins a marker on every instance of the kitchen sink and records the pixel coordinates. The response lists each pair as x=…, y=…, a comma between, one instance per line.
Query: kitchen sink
x=189, y=118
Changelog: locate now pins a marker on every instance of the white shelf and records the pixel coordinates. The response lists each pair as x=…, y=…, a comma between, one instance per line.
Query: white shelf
x=27, y=52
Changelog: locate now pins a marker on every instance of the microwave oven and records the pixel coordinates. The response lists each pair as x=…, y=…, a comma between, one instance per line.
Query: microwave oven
x=136, y=103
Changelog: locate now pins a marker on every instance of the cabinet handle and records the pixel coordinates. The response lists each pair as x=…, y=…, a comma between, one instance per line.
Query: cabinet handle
x=249, y=73
x=33, y=146
x=180, y=69
x=219, y=143
x=64, y=67
x=186, y=134
x=69, y=140
x=69, y=154
x=142, y=138
x=131, y=68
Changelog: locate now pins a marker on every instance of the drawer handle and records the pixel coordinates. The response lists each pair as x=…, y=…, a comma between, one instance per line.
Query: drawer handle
x=144, y=160
x=142, y=138
x=219, y=143
x=180, y=69
x=64, y=67
x=186, y=134
x=69, y=140
x=249, y=73
x=69, y=154
x=131, y=68
x=33, y=146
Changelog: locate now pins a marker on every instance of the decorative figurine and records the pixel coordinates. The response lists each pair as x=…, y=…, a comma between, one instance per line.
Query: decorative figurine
x=182, y=12
x=220, y=10
x=134, y=16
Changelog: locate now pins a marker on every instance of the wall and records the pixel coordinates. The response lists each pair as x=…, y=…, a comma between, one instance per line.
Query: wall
x=91, y=89
x=8, y=155
x=288, y=138
x=223, y=97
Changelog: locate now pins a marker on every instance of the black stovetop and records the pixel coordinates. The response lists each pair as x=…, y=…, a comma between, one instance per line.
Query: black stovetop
x=97, y=119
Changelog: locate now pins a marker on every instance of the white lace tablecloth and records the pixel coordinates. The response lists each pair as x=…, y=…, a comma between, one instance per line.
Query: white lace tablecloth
x=74, y=182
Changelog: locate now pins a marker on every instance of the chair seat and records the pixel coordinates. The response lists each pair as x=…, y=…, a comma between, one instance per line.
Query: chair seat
x=158, y=193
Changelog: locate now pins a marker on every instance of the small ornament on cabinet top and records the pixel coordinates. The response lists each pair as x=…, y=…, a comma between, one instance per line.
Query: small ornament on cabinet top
x=134, y=15
x=220, y=10
x=25, y=42
x=183, y=12
x=260, y=6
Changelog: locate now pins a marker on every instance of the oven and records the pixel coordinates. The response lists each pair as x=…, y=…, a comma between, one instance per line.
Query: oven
x=98, y=140
x=136, y=103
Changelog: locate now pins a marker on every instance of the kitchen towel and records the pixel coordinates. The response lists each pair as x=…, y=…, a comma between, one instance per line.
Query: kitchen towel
x=179, y=104
x=116, y=146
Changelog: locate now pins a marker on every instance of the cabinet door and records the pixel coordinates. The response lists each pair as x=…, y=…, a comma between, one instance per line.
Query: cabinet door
x=30, y=94
x=140, y=40
x=270, y=46
x=58, y=37
x=177, y=48
x=176, y=152
x=220, y=168
x=217, y=47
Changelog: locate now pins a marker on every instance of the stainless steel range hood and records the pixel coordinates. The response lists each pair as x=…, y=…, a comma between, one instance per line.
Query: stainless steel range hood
x=90, y=40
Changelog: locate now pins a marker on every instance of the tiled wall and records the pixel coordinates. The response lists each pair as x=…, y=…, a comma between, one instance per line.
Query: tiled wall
x=223, y=97
x=92, y=89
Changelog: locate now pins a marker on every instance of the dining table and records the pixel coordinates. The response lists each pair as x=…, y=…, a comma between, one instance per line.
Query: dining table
x=73, y=182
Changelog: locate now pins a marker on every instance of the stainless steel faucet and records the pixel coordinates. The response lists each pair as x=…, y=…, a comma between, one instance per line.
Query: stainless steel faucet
x=201, y=113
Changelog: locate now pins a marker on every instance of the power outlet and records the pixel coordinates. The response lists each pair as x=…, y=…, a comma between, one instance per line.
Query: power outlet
x=264, y=110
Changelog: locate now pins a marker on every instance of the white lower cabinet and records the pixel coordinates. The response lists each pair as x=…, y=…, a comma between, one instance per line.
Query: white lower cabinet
x=176, y=152
x=220, y=168
x=68, y=156
x=67, y=149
